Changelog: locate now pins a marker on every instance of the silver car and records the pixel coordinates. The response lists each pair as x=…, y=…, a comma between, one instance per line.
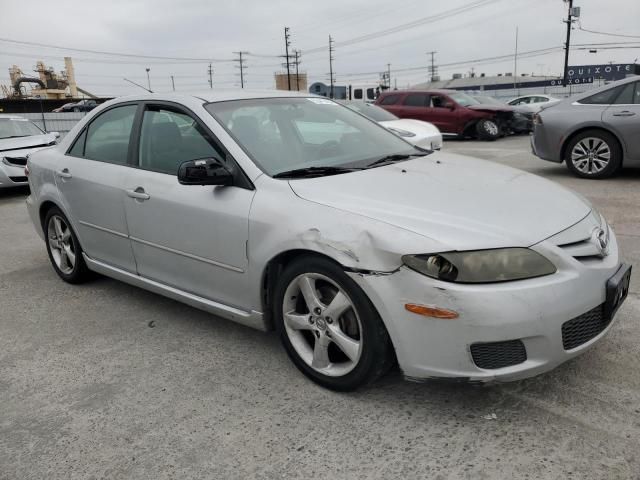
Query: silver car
x=594, y=133
x=289, y=211
x=18, y=138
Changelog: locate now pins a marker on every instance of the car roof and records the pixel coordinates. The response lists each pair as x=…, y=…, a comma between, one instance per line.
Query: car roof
x=217, y=95
x=430, y=90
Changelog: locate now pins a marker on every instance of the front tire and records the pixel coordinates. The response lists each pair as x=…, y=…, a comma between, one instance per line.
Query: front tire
x=328, y=326
x=593, y=154
x=487, y=129
x=64, y=248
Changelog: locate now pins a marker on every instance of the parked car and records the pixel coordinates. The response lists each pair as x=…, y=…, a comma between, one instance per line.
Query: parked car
x=595, y=133
x=453, y=112
x=81, y=106
x=533, y=103
x=419, y=133
x=19, y=137
x=522, y=118
x=360, y=252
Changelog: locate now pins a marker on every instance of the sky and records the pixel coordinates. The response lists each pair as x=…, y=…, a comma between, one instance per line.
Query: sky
x=399, y=33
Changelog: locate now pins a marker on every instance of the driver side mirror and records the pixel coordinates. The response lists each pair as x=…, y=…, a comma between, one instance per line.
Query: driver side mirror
x=204, y=171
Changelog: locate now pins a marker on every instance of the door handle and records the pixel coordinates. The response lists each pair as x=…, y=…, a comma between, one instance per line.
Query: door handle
x=64, y=173
x=138, y=194
x=624, y=113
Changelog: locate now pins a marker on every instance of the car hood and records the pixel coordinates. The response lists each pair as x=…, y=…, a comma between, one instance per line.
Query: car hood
x=413, y=126
x=23, y=143
x=491, y=108
x=460, y=202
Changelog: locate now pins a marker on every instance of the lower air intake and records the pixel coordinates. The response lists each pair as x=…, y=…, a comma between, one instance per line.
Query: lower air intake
x=498, y=354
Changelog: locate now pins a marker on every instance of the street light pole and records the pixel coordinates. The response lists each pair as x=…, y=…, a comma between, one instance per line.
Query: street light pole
x=568, y=21
x=148, y=79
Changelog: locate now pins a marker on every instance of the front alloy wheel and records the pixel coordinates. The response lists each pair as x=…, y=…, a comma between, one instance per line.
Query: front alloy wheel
x=322, y=324
x=329, y=327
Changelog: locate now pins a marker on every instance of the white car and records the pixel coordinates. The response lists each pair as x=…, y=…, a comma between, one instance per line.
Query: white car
x=533, y=103
x=358, y=248
x=18, y=138
x=421, y=134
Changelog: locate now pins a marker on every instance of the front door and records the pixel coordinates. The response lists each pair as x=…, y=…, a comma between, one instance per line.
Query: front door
x=186, y=236
x=90, y=179
x=624, y=118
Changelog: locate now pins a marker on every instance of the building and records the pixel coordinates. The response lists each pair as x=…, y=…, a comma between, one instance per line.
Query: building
x=580, y=78
x=298, y=82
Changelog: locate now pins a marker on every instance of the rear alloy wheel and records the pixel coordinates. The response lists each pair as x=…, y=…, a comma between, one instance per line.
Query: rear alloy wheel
x=593, y=154
x=487, y=129
x=63, y=248
x=329, y=327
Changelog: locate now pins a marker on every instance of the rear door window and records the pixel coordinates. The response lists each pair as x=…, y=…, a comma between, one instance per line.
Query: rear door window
x=108, y=135
x=416, y=100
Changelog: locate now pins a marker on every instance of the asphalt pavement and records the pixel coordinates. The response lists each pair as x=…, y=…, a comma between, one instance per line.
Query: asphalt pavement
x=107, y=381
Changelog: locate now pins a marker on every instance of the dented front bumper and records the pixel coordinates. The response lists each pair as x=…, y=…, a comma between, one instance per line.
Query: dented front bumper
x=530, y=311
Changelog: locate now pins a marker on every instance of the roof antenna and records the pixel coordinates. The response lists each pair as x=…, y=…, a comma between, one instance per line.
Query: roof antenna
x=138, y=85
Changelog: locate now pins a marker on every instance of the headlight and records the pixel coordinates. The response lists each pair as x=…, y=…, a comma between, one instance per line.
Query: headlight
x=481, y=266
x=402, y=133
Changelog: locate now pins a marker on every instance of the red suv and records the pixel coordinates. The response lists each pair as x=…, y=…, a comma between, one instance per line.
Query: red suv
x=451, y=111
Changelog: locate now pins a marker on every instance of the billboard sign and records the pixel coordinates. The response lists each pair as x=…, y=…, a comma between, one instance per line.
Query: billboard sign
x=608, y=72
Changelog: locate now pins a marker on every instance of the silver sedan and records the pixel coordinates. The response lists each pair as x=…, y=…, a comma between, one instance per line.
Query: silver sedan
x=286, y=211
x=594, y=133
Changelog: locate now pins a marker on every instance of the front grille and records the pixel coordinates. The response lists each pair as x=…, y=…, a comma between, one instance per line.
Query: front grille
x=581, y=329
x=498, y=354
x=17, y=161
x=18, y=179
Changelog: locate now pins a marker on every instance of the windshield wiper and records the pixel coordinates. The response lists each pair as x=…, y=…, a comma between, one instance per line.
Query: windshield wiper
x=387, y=159
x=314, y=172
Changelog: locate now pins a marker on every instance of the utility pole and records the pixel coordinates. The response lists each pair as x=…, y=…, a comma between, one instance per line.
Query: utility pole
x=241, y=66
x=433, y=70
x=515, y=64
x=173, y=84
x=297, y=63
x=210, y=73
x=286, y=55
x=569, y=21
x=389, y=76
x=148, y=79
x=331, y=58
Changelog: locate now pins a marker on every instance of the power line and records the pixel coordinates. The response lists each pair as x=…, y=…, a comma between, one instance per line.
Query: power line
x=607, y=33
x=406, y=26
x=117, y=54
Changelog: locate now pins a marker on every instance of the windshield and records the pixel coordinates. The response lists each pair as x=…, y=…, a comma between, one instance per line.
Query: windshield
x=374, y=112
x=18, y=127
x=463, y=99
x=283, y=134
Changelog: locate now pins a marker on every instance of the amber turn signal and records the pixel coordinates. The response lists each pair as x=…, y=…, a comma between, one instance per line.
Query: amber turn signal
x=434, y=312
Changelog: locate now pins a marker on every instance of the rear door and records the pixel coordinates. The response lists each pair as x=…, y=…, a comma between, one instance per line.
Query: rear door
x=90, y=179
x=623, y=116
x=187, y=236
x=414, y=105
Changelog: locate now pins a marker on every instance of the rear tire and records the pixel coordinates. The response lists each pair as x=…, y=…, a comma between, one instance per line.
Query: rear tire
x=64, y=248
x=593, y=154
x=328, y=326
x=487, y=129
